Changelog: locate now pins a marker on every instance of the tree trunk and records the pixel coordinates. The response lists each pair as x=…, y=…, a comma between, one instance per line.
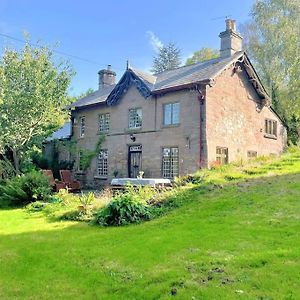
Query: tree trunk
x=16, y=161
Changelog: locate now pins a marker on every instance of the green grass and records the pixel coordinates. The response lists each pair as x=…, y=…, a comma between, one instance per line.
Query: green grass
x=235, y=236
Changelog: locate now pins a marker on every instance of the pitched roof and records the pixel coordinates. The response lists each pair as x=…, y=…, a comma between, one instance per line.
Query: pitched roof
x=62, y=133
x=148, y=84
x=98, y=96
x=198, y=72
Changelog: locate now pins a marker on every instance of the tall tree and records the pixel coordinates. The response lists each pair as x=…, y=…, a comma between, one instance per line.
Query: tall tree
x=168, y=58
x=202, y=55
x=33, y=92
x=272, y=39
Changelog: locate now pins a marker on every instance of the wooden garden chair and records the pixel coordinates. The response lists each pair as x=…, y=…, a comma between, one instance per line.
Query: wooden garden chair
x=56, y=185
x=66, y=178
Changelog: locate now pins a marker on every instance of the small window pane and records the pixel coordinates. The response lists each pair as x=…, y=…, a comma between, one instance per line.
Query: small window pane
x=170, y=162
x=80, y=161
x=167, y=114
x=135, y=118
x=171, y=113
x=275, y=128
x=102, y=165
x=222, y=155
x=104, y=120
x=176, y=113
x=271, y=127
x=82, y=126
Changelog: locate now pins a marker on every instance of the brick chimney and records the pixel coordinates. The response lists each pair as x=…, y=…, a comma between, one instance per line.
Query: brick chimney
x=231, y=40
x=106, y=77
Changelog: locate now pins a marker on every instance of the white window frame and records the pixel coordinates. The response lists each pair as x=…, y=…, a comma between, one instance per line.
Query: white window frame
x=102, y=163
x=103, y=122
x=82, y=126
x=171, y=105
x=135, y=118
x=170, y=162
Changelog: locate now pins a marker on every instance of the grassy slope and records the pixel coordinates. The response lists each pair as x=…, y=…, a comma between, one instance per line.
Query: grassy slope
x=236, y=241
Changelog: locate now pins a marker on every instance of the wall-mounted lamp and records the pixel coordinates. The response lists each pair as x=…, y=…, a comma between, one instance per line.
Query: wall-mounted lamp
x=132, y=137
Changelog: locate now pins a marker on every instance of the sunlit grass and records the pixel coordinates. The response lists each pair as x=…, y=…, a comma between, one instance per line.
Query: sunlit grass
x=235, y=236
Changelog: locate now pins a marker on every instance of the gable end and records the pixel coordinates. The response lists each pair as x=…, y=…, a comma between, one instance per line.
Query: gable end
x=123, y=85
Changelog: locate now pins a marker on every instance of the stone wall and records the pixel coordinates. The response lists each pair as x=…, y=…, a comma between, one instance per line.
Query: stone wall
x=230, y=117
x=235, y=120
x=153, y=135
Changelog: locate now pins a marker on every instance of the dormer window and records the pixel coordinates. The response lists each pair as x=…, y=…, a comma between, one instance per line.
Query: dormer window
x=135, y=118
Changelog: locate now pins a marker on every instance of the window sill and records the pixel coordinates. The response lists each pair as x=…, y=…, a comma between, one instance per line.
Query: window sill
x=170, y=126
x=133, y=129
x=270, y=136
x=100, y=177
x=103, y=132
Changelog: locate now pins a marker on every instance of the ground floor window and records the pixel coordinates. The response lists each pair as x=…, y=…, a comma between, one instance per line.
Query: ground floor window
x=80, y=161
x=222, y=155
x=252, y=154
x=102, y=163
x=170, y=162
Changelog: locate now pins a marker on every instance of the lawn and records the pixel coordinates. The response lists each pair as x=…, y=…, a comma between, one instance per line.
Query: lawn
x=237, y=237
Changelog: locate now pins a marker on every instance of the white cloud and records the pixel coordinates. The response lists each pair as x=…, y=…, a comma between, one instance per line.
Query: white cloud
x=155, y=42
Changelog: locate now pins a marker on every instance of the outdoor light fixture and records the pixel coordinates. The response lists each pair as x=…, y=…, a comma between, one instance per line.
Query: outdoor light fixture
x=132, y=137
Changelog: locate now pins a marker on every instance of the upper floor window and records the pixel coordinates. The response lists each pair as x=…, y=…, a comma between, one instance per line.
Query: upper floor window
x=82, y=126
x=271, y=127
x=104, y=120
x=102, y=163
x=170, y=162
x=222, y=155
x=135, y=118
x=171, y=113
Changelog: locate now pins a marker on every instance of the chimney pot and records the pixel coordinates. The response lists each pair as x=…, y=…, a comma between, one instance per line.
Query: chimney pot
x=230, y=24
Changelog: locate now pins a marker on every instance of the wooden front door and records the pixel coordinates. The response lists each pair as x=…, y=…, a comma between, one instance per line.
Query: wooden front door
x=134, y=161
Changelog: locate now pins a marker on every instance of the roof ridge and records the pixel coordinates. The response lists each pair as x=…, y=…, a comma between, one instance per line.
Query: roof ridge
x=181, y=67
x=219, y=58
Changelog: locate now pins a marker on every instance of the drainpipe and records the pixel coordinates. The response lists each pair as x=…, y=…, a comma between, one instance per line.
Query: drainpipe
x=201, y=99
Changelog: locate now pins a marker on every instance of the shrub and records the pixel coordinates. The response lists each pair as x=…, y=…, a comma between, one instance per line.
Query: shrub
x=123, y=209
x=86, y=200
x=77, y=215
x=36, y=206
x=190, y=178
x=65, y=197
x=26, y=188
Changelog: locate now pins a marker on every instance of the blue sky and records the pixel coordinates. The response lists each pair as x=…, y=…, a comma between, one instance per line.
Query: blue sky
x=110, y=32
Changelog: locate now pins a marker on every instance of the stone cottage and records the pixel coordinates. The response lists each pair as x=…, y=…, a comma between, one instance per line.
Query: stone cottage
x=177, y=121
